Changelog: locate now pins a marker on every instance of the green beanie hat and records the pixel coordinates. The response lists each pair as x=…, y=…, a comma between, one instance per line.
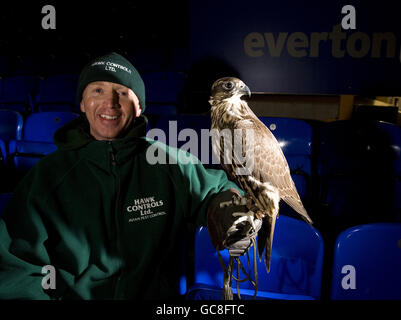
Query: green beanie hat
x=112, y=68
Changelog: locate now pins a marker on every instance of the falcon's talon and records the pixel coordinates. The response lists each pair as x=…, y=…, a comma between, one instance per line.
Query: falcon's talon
x=259, y=214
x=238, y=201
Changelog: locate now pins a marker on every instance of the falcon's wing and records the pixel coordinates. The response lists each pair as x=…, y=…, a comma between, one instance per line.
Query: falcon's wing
x=270, y=164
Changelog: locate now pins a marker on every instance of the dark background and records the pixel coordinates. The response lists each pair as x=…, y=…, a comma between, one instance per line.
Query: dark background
x=87, y=29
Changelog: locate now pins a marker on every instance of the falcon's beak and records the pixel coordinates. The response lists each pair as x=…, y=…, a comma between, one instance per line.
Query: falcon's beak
x=245, y=91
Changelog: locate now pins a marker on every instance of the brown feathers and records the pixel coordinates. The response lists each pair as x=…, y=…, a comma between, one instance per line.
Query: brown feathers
x=267, y=178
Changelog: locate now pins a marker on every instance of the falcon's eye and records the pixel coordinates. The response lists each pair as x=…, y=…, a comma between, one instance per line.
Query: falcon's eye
x=228, y=85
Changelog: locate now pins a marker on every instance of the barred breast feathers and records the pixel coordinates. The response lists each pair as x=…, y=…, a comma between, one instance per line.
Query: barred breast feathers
x=229, y=111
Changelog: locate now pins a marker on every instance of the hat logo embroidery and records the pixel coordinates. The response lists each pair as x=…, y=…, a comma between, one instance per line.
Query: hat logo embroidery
x=111, y=66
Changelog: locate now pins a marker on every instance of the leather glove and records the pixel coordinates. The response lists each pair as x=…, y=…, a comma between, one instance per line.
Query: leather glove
x=231, y=223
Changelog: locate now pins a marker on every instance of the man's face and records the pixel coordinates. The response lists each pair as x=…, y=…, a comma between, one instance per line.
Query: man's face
x=110, y=109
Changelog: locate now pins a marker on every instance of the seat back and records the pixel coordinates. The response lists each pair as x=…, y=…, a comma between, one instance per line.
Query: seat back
x=393, y=133
x=57, y=107
x=20, y=88
x=19, y=92
x=11, y=123
x=3, y=168
x=296, y=261
x=3, y=153
x=41, y=126
x=38, y=134
x=367, y=263
x=24, y=154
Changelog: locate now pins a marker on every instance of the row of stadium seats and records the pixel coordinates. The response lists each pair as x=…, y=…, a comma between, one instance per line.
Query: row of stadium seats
x=365, y=264
x=24, y=141
x=27, y=94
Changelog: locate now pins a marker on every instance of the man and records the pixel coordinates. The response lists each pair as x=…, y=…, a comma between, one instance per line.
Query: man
x=109, y=223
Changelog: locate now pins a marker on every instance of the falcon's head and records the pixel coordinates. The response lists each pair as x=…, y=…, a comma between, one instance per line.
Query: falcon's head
x=229, y=87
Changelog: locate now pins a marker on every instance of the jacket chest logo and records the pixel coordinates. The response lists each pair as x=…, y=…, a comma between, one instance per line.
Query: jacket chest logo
x=145, y=208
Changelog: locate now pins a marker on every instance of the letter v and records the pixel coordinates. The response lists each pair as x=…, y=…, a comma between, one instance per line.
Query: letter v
x=275, y=47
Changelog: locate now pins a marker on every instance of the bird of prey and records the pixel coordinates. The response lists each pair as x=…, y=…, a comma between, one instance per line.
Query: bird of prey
x=269, y=179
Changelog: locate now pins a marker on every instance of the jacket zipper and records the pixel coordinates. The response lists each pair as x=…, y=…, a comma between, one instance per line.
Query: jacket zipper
x=116, y=215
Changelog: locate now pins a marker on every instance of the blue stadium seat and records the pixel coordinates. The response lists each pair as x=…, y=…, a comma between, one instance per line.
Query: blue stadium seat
x=18, y=93
x=163, y=87
x=42, y=125
x=3, y=161
x=39, y=129
x=295, y=273
x=56, y=107
x=367, y=263
x=4, y=197
x=393, y=132
x=3, y=151
x=25, y=154
x=11, y=123
x=59, y=89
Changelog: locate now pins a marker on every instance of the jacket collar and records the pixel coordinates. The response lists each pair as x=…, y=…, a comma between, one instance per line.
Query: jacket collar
x=75, y=136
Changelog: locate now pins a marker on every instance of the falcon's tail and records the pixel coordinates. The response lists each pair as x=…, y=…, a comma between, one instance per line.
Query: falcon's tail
x=297, y=205
x=265, y=239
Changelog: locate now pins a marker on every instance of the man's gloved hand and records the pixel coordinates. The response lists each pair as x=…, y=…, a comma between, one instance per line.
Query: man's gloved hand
x=231, y=223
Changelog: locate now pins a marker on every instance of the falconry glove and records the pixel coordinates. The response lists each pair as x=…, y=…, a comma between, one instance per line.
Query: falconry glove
x=231, y=223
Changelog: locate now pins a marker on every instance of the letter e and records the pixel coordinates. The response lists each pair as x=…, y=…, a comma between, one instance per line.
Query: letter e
x=49, y=20
x=348, y=21
x=252, y=42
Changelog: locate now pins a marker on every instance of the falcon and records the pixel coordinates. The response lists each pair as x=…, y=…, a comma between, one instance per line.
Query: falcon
x=269, y=180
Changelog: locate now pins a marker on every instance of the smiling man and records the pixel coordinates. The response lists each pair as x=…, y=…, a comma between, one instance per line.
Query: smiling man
x=111, y=94
x=110, y=109
x=110, y=224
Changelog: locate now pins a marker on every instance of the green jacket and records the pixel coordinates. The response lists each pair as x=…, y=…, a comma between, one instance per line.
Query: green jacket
x=110, y=223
